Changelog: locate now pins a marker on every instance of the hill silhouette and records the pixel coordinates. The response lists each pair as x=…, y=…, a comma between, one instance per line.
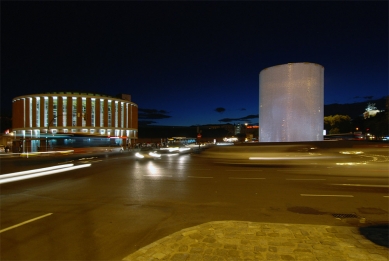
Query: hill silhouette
x=353, y=109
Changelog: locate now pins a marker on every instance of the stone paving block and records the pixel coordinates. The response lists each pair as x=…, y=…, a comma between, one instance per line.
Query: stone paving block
x=235, y=241
x=377, y=257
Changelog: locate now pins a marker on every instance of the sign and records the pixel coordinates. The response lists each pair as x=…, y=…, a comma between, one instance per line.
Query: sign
x=199, y=135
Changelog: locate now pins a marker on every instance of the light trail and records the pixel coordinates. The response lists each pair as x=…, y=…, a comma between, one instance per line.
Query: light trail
x=21, y=173
x=29, y=176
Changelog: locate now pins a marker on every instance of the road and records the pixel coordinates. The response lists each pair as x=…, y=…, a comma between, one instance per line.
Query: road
x=117, y=204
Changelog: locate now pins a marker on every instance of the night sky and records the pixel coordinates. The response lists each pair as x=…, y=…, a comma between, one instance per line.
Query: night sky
x=181, y=60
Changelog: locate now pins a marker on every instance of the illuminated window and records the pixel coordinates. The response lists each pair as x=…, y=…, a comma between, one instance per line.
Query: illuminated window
x=38, y=111
x=74, y=112
x=30, y=123
x=116, y=113
x=64, y=110
x=109, y=113
x=122, y=115
x=93, y=112
x=101, y=113
x=54, y=112
x=83, y=113
x=46, y=112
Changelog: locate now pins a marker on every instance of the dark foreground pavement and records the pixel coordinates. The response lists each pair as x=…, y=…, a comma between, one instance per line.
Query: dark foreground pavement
x=239, y=240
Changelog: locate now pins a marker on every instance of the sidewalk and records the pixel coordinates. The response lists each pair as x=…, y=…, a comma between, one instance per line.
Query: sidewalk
x=240, y=240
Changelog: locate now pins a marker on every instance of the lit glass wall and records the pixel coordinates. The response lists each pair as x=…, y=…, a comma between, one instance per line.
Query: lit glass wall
x=291, y=101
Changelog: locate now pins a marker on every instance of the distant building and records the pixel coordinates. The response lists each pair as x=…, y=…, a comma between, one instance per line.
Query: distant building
x=77, y=113
x=291, y=103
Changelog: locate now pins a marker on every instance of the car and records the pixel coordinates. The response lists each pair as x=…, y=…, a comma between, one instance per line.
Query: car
x=147, y=153
x=177, y=149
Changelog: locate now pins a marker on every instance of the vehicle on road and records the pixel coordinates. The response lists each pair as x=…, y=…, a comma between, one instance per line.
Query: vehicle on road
x=180, y=149
x=147, y=153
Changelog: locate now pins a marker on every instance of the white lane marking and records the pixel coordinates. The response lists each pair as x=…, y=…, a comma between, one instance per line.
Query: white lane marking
x=299, y=170
x=29, y=176
x=169, y=176
x=25, y=222
x=244, y=178
x=197, y=177
x=20, y=173
x=315, y=195
x=243, y=170
x=305, y=179
x=363, y=185
x=367, y=179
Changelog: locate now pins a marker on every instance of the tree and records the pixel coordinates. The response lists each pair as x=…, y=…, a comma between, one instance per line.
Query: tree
x=337, y=124
x=378, y=125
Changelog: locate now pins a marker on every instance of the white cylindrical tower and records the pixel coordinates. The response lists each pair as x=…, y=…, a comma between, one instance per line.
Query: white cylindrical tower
x=291, y=103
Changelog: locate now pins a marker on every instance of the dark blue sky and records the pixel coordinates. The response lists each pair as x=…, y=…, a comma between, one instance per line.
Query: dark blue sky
x=181, y=60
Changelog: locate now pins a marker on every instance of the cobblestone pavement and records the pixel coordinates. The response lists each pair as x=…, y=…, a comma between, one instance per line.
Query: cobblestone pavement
x=237, y=240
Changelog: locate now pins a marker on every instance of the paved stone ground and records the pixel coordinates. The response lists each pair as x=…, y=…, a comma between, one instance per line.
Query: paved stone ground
x=237, y=240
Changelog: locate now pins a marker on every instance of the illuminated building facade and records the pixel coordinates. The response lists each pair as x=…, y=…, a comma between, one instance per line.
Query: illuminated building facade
x=89, y=114
x=291, y=103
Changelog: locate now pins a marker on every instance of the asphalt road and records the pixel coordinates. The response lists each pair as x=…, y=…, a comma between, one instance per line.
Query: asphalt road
x=117, y=205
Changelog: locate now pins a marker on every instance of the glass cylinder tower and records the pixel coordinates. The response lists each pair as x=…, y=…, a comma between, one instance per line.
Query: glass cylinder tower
x=291, y=103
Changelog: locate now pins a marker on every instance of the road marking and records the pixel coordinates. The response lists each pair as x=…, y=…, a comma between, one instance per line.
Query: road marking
x=244, y=178
x=386, y=196
x=169, y=176
x=197, y=177
x=25, y=222
x=366, y=179
x=315, y=195
x=305, y=179
x=290, y=170
x=244, y=170
x=363, y=185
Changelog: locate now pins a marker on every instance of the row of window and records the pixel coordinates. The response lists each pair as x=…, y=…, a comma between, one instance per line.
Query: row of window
x=60, y=115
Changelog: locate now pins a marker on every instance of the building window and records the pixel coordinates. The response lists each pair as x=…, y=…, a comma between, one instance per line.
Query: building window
x=55, y=112
x=122, y=115
x=127, y=115
x=30, y=113
x=46, y=112
x=109, y=113
x=93, y=112
x=38, y=111
x=83, y=113
x=116, y=113
x=64, y=110
x=74, y=112
x=101, y=113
